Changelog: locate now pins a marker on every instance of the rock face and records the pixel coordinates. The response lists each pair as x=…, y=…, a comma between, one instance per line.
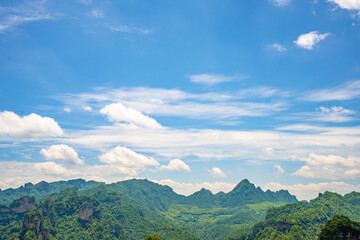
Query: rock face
x=23, y=204
x=89, y=210
x=4, y=208
x=33, y=227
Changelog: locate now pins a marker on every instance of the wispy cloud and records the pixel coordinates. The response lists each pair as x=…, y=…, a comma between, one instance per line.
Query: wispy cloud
x=32, y=11
x=346, y=91
x=127, y=29
x=334, y=114
x=96, y=13
x=211, y=79
x=171, y=102
x=278, y=47
x=280, y=170
x=280, y=3
x=309, y=40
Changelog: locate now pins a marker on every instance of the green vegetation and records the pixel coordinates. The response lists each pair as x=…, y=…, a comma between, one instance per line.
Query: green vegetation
x=42, y=189
x=303, y=220
x=340, y=227
x=140, y=209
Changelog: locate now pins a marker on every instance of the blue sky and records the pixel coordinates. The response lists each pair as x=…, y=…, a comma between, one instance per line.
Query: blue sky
x=186, y=93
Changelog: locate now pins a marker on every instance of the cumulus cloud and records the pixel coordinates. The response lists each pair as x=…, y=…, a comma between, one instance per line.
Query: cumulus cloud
x=117, y=112
x=211, y=79
x=347, y=4
x=31, y=126
x=126, y=161
x=346, y=91
x=190, y=188
x=278, y=47
x=66, y=109
x=87, y=108
x=62, y=153
x=281, y=3
x=280, y=170
x=217, y=172
x=51, y=168
x=309, y=40
x=176, y=165
x=312, y=190
x=330, y=167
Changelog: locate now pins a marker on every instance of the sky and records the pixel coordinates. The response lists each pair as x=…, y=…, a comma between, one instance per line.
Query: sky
x=188, y=93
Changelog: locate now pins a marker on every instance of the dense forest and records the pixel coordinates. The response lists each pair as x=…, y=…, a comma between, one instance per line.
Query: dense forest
x=141, y=209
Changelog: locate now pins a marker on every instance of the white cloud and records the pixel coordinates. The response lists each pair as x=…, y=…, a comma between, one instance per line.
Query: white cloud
x=66, y=109
x=190, y=188
x=176, y=165
x=329, y=167
x=126, y=29
x=309, y=40
x=280, y=170
x=278, y=47
x=312, y=190
x=87, y=108
x=346, y=91
x=217, y=172
x=127, y=161
x=347, y=4
x=269, y=150
x=51, y=168
x=62, y=153
x=117, y=112
x=32, y=126
x=281, y=3
x=219, y=107
x=96, y=13
x=289, y=141
x=211, y=79
x=334, y=114
x=31, y=11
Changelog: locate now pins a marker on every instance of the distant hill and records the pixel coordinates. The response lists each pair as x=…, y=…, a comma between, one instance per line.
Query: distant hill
x=303, y=220
x=42, y=189
x=243, y=193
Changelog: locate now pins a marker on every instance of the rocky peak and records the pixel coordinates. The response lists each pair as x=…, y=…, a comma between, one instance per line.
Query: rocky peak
x=33, y=227
x=23, y=204
x=89, y=210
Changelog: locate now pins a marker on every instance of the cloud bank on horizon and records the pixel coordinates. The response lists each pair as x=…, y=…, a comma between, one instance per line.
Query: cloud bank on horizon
x=99, y=92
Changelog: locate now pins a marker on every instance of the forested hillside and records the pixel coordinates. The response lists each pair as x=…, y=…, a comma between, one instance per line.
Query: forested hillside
x=132, y=209
x=303, y=220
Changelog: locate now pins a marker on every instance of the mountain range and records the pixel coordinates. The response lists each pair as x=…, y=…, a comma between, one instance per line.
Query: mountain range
x=134, y=209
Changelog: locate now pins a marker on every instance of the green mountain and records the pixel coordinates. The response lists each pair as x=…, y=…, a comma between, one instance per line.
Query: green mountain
x=42, y=189
x=303, y=220
x=340, y=227
x=132, y=209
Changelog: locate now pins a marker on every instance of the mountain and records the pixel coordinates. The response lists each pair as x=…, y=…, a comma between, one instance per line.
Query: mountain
x=42, y=189
x=246, y=193
x=303, y=220
x=340, y=227
x=133, y=209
